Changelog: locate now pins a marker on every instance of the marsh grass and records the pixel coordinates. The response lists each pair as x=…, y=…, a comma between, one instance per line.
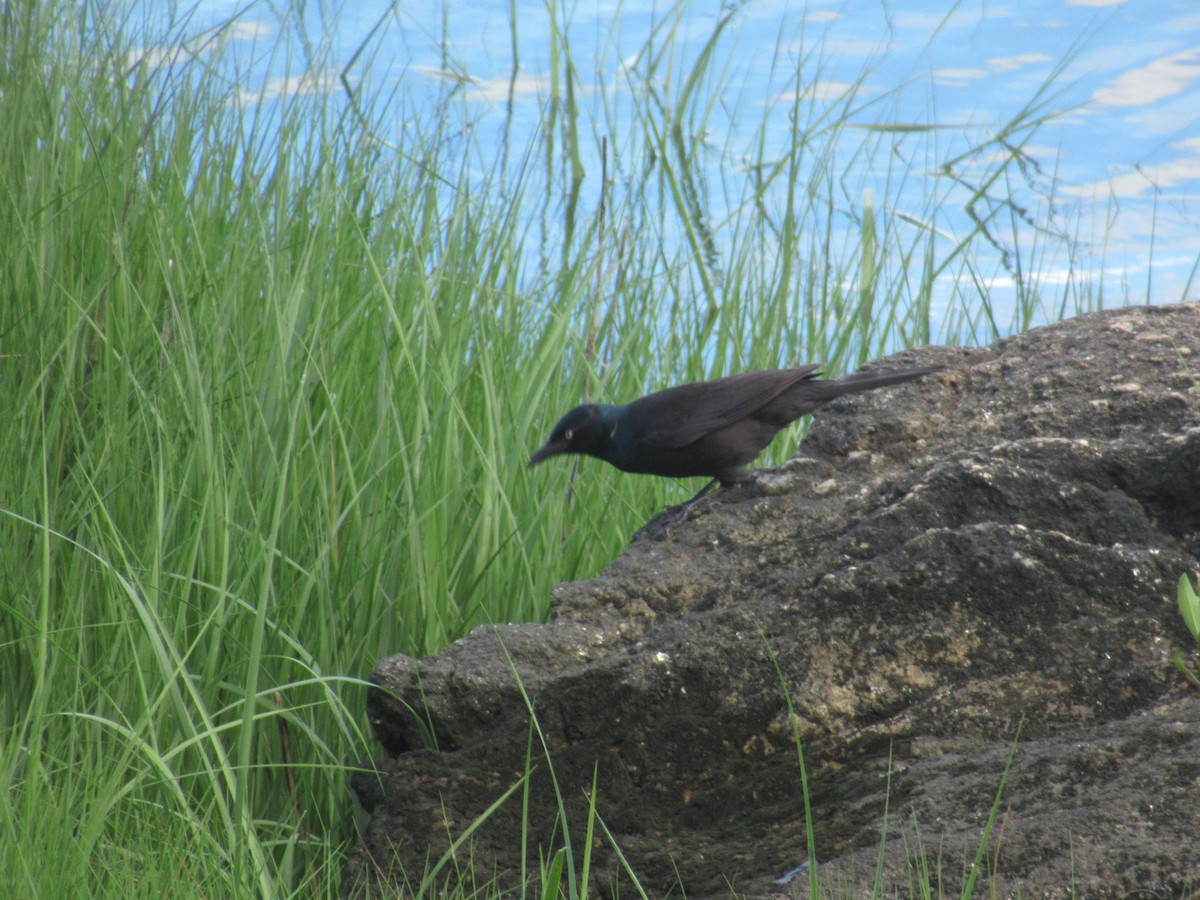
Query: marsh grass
x=272, y=375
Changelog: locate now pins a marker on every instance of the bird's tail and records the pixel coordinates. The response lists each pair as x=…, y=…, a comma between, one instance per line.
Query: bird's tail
x=818, y=393
x=811, y=394
x=852, y=384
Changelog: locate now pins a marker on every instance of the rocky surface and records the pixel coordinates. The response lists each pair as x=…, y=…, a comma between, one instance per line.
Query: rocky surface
x=990, y=550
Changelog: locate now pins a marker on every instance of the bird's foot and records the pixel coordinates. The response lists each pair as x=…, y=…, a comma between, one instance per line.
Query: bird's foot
x=661, y=526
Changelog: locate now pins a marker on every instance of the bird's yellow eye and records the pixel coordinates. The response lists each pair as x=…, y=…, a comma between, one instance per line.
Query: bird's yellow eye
x=568, y=434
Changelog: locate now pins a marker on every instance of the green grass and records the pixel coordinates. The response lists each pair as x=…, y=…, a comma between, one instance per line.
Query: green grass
x=272, y=380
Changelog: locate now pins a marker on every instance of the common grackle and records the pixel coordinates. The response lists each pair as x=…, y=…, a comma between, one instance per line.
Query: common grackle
x=710, y=428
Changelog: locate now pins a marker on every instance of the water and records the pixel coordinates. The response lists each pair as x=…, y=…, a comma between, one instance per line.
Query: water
x=1120, y=162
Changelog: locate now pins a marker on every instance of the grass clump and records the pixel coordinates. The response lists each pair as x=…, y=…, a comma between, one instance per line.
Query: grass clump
x=1189, y=608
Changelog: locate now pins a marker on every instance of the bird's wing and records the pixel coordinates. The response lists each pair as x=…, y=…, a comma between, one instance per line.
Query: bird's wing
x=680, y=415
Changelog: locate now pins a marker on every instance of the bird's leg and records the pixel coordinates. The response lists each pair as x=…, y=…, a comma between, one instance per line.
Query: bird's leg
x=700, y=493
x=673, y=515
x=680, y=512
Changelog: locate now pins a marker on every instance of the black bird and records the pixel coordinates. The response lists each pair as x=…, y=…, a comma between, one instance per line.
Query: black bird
x=711, y=428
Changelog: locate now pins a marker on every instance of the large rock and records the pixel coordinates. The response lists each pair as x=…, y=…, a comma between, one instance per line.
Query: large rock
x=989, y=551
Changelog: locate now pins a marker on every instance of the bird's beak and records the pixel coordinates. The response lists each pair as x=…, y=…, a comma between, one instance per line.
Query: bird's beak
x=547, y=450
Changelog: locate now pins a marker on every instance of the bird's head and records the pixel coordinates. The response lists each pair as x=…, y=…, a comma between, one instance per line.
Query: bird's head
x=582, y=430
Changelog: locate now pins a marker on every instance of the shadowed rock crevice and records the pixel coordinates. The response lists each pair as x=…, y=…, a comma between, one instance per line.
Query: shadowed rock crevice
x=945, y=560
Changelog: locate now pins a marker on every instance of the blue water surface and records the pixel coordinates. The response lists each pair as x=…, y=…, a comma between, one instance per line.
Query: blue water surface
x=1118, y=167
